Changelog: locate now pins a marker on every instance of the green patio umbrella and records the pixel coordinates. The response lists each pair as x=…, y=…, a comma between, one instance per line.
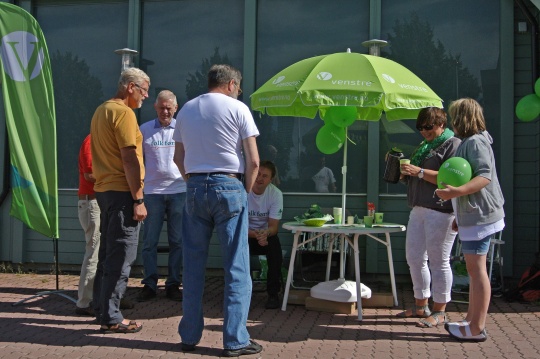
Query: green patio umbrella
x=344, y=87
x=371, y=84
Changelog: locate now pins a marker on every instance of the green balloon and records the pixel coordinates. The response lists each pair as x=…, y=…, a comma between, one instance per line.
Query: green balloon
x=537, y=87
x=455, y=171
x=528, y=108
x=330, y=139
x=341, y=116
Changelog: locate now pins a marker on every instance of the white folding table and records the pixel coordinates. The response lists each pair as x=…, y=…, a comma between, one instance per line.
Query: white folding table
x=350, y=233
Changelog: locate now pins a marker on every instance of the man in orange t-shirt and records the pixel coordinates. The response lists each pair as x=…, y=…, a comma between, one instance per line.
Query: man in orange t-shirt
x=117, y=162
x=89, y=217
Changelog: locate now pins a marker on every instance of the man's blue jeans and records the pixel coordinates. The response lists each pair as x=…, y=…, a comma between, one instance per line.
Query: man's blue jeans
x=157, y=205
x=218, y=202
x=117, y=251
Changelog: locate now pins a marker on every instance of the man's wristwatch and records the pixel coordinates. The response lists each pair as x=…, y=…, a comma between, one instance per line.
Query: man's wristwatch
x=421, y=173
x=138, y=201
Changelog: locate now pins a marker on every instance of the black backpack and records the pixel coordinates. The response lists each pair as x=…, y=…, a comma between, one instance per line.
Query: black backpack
x=528, y=288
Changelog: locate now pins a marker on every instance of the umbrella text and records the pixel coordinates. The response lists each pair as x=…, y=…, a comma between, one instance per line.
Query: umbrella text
x=291, y=83
x=352, y=82
x=275, y=98
x=413, y=87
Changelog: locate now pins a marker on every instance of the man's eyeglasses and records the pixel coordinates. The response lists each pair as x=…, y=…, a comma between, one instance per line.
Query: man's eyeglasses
x=239, y=89
x=143, y=90
x=425, y=128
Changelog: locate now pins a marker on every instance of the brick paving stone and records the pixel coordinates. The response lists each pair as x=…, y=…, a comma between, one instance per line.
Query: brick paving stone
x=382, y=355
x=454, y=350
x=529, y=352
x=47, y=327
x=343, y=354
x=491, y=351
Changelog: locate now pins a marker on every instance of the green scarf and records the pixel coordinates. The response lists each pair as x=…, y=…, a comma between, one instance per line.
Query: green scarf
x=425, y=148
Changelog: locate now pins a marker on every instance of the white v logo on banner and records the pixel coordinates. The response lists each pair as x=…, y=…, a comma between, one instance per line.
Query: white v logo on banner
x=21, y=60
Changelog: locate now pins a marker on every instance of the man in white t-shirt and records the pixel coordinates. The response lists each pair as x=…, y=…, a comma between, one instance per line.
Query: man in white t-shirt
x=164, y=196
x=324, y=179
x=265, y=208
x=216, y=152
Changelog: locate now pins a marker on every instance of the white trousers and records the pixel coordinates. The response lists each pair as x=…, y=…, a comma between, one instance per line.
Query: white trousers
x=89, y=217
x=429, y=241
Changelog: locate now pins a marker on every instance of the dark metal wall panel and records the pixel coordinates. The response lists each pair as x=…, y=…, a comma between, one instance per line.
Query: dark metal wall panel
x=526, y=236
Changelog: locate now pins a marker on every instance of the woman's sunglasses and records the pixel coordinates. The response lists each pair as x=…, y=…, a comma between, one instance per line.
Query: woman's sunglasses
x=425, y=128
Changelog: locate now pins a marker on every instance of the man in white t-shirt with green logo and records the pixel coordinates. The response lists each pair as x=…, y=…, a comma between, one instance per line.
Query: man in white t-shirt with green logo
x=265, y=209
x=164, y=196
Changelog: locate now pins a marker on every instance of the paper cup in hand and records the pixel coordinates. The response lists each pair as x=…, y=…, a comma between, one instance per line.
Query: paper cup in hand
x=404, y=161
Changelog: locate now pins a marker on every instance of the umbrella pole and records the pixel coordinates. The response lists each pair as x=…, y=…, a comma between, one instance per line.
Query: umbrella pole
x=343, y=211
x=344, y=181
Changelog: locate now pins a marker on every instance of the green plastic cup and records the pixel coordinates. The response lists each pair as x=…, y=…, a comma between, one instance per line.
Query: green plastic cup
x=368, y=221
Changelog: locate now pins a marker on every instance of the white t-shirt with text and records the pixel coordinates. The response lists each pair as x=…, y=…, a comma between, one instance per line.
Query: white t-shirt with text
x=264, y=206
x=162, y=175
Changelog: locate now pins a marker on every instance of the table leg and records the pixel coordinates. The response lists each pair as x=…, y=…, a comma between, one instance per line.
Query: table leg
x=329, y=256
x=291, y=270
x=391, y=267
x=342, y=256
x=357, y=275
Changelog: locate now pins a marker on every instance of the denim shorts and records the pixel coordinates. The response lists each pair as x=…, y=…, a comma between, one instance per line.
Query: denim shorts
x=479, y=247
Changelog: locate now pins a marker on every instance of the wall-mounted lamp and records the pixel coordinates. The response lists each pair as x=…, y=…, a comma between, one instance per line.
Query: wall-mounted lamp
x=127, y=57
x=375, y=46
x=522, y=27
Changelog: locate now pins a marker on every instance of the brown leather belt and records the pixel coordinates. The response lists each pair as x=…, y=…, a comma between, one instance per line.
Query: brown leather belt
x=87, y=197
x=232, y=175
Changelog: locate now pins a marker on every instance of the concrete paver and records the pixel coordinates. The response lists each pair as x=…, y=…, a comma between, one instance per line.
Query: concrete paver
x=47, y=327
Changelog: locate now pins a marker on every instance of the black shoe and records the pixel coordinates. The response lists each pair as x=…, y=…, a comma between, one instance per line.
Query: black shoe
x=187, y=347
x=126, y=304
x=89, y=311
x=174, y=293
x=273, y=302
x=146, y=294
x=252, y=348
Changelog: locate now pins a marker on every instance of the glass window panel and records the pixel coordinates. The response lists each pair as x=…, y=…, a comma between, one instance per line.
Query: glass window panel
x=182, y=39
x=81, y=39
x=290, y=31
x=453, y=46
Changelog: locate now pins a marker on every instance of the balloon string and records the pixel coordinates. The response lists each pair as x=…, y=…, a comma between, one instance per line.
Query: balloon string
x=351, y=141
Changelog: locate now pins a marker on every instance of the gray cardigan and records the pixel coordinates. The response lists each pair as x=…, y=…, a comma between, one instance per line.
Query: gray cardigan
x=486, y=205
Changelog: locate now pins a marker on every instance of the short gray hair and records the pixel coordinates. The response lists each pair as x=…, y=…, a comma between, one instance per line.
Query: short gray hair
x=166, y=95
x=222, y=74
x=134, y=75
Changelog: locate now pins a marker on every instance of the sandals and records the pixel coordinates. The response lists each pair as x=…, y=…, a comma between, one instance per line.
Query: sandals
x=455, y=332
x=438, y=316
x=414, y=309
x=132, y=327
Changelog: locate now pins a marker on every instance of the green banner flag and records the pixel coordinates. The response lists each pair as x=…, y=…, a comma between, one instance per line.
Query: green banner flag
x=27, y=89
